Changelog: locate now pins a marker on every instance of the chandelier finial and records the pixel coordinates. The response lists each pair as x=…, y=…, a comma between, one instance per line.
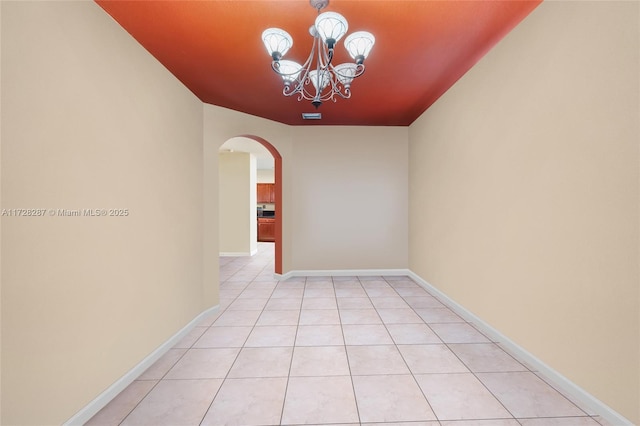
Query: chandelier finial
x=319, y=4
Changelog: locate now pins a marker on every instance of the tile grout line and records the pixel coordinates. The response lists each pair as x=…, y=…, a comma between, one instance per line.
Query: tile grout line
x=224, y=380
x=346, y=354
x=204, y=416
x=293, y=350
x=403, y=358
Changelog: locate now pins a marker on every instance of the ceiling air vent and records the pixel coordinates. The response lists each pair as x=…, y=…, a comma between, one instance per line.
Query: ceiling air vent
x=311, y=115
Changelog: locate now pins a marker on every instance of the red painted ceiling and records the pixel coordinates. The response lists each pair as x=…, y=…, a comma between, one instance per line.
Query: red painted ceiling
x=422, y=48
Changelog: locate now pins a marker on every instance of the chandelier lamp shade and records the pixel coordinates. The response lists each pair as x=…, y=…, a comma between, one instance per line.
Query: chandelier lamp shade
x=318, y=79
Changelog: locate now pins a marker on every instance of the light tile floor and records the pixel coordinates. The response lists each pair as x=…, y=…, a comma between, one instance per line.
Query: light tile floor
x=336, y=351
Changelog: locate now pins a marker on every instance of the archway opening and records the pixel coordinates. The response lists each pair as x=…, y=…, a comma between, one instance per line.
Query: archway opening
x=277, y=183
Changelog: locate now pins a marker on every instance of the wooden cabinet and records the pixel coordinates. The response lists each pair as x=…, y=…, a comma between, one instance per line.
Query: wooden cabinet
x=266, y=193
x=266, y=229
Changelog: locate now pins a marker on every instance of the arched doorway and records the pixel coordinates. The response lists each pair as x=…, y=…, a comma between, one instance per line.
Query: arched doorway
x=277, y=171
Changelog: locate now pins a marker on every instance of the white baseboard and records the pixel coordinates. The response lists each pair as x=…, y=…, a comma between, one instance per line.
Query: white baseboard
x=343, y=273
x=557, y=379
x=282, y=277
x=90, y=410
x=238, y=253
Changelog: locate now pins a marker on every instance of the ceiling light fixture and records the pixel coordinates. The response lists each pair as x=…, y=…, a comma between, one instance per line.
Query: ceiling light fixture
x=328, y=81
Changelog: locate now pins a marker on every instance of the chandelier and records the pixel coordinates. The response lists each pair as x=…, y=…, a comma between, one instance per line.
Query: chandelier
x=318, y=80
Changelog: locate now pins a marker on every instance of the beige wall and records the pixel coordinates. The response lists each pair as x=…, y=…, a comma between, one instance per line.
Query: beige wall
x=91, y=121
x=350, y=198
x=344, y=197
x=237, y=203
x=524, y=193
x=266, y=176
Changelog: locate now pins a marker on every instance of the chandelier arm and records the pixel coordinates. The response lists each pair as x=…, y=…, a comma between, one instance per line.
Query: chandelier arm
x=301, y=81
x=328, y=57
x=336, y=89
x=358, y=72
x=301, y=90
x=304, y=92
x=324, y=55
x=307, y=64
x=303, y=75
x=275, y=65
